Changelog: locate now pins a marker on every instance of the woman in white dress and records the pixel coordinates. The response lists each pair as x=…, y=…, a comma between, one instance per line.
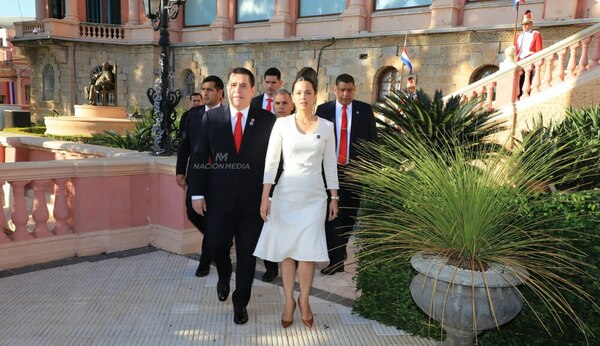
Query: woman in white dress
x=294, y=228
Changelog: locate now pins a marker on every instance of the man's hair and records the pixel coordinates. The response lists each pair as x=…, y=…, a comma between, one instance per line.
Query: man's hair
x=218, y=82
x=345, y=78
x=195, y=94
x=282, y=92
x=272, y=71
x=305, y=79
x=243, y=70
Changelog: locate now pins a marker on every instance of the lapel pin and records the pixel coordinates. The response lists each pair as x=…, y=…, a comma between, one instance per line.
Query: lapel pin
x=251, y=121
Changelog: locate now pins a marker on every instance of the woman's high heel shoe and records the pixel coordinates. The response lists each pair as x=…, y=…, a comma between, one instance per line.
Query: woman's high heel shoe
x=285, y=323
x=307, y=322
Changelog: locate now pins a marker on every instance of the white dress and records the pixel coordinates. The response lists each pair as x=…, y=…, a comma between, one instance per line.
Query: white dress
x=296, y=225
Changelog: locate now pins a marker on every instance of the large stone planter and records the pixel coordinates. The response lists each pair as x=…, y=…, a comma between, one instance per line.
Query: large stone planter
x=452, y=295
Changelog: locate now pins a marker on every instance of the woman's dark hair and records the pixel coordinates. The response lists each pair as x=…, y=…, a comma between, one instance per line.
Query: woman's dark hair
x=305, y=79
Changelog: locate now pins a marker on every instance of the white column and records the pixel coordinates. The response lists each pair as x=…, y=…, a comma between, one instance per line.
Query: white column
x=281, y=22
x=221, y=26
x=133, y=15
x=354, y=17
x=40, y=9
x=71, y=13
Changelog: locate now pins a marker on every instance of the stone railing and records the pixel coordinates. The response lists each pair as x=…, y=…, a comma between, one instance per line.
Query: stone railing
x=121, y=201
x=51, y=27
x=30, y=28
x=567, y=59
x=101, y=31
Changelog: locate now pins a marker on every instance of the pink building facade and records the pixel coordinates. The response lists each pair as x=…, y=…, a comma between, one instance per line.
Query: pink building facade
x=451, y=43
x=15, y=72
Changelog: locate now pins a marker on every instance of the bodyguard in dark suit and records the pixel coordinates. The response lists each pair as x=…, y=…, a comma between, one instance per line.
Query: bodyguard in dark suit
x=225, y=177
x=271, y=82
x=189, y=126
x=354, y=121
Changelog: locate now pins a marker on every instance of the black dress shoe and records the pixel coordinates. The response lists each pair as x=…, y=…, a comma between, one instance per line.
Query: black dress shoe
x=269, y=275
x=223, y=290
x=240, y=315
x=203, y=270
x=332, y=269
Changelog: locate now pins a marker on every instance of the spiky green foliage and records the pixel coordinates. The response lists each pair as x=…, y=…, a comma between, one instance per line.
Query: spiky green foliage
x=579, y=129
x=139, y=139
x=435, y=120
x=466, y=205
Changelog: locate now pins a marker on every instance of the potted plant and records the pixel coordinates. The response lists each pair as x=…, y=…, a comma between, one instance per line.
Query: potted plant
x=455, y=213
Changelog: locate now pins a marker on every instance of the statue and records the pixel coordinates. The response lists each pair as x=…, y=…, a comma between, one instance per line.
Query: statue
x=102, y=86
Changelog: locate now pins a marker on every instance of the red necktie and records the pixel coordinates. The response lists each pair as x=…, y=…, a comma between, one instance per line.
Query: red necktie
x=237, y=133
x=269, y=107
x=343, y=156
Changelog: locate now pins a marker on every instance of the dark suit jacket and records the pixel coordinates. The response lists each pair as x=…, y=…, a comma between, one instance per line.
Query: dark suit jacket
x=257, y=101
x=230, y=176
x=185, y=130
x=363, y=122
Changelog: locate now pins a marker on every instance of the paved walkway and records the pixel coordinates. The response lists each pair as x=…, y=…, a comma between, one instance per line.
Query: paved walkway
x=151, y=297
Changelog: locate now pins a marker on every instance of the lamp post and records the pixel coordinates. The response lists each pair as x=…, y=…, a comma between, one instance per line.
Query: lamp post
x=162, y=98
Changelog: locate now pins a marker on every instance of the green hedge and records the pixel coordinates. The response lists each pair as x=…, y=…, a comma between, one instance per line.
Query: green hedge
x=386, y=295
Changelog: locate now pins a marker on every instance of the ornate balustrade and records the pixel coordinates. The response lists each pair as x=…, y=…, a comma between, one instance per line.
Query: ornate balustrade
x=32, y=28
x=101, y=31
x=567, y=59
x=124, y=201
x=50, y=27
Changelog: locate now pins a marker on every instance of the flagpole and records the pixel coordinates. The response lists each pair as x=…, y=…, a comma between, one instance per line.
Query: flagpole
x=402, y=67
x=516, y=22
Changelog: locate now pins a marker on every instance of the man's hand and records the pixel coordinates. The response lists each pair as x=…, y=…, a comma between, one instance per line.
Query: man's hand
x=199, y=206
x=180, y=178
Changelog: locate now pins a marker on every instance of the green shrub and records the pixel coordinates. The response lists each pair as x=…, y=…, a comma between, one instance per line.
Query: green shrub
x=386, y=294
x=580, y=129
x=33, y=130
x=579, y=214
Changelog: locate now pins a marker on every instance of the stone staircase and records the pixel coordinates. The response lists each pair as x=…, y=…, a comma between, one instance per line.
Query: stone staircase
x=566, y=74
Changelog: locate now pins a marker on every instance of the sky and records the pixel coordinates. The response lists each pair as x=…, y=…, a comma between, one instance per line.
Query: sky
x=10, y=8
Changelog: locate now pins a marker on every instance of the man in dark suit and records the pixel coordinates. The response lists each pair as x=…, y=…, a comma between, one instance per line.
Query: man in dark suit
x=271, y=82
x=212, y=93
x=226, y=178
x=354, y=121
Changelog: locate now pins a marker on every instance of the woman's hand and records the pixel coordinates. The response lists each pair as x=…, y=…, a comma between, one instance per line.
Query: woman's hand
x=333, y=209
x=265, y=208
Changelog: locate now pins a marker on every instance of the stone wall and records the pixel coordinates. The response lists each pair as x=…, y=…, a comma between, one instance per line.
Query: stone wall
x=443, y=61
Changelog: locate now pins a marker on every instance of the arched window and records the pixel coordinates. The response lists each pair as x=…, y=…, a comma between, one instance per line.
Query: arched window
x=189, y=83
x=48, y=83
x=388, y=82
x=482, y=72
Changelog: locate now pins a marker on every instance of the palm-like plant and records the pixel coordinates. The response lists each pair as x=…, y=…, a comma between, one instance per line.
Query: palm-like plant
x=436, y=120
x=579, y=129
x=464, y=206
x=139, y=139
